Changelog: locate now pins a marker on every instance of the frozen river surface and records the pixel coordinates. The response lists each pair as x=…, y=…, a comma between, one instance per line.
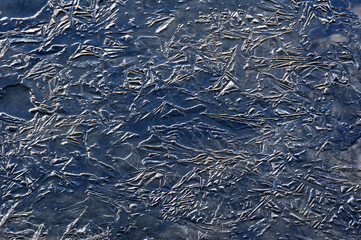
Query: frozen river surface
x=189, y=119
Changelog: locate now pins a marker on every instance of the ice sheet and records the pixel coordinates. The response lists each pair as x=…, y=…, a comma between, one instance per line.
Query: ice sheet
x=189, y=119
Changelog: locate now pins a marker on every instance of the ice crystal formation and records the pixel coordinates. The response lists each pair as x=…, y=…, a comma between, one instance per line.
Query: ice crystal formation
x=164, y=119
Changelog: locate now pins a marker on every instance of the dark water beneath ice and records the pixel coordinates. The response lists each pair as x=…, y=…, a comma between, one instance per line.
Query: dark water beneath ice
x=189, y=119
x=15, y=101
x=21, y=8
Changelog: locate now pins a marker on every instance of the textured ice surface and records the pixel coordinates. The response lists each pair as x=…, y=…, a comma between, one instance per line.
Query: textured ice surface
x=164, y=119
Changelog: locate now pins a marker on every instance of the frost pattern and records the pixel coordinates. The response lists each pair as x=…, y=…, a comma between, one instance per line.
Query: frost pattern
x=180, y=119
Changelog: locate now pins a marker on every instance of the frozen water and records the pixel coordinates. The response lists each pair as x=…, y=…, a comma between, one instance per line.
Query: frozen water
x=180, y=119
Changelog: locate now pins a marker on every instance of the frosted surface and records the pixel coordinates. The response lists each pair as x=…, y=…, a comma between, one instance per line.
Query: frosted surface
x=180, y=119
